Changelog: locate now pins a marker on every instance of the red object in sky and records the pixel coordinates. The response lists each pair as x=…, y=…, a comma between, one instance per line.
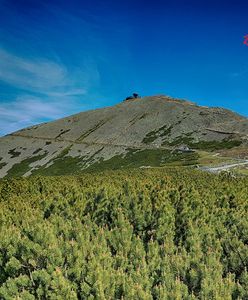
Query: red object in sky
x=246, y=40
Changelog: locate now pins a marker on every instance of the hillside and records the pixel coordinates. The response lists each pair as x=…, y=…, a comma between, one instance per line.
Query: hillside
x=140, y=132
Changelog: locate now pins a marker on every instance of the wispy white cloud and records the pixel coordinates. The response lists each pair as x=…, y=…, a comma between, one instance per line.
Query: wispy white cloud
x=28, y=110
x=38, y=75
x=73, y=92
x=47, y=90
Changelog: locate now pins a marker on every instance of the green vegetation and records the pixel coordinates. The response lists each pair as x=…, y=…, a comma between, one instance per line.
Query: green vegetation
x=37, y=151
x=184, y=139
x=67, y=165
x=216, y=145
x=242, y=170
x=153, y=135
x=134, y=234
x=2, y=165
x=211, y=159
x=61, y=165
x=149, y=157
x=23, y=167
x=203, y=145
x=14, y=153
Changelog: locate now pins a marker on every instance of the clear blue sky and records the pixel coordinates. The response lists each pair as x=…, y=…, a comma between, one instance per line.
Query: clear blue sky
x=62, y=57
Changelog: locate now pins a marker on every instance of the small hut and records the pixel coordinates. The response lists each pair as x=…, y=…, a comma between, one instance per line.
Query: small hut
x=134, y=96
x=184, y=148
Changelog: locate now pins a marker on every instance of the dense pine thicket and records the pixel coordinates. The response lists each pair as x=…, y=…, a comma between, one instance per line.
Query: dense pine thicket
x=150, y=234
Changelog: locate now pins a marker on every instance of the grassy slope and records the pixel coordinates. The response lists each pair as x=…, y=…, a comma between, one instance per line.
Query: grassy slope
x=150, y=157
x=21, y=168
x=66, y=165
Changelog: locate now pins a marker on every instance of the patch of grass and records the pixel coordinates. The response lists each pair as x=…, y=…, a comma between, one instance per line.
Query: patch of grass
x=210, y=159
x=241, y=171
x=37, y=150
x=66, y=165
x=148, y=157
x=203, y=145
x=62, y=165
x=23, y=167
x=184, y=139
x=14, y=153
x=90, y=158
x=150, y=137
x=64, y=152
x=2, y=165
x=215, y=145
x=153, y=135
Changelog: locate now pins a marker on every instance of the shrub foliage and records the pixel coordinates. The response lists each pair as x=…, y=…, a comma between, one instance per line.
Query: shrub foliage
x=140, y=234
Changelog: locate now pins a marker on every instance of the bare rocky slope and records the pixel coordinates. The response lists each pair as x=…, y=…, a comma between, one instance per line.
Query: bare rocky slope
x=138, y=132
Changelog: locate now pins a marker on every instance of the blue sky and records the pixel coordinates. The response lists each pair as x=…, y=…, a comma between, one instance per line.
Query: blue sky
x=62, y=57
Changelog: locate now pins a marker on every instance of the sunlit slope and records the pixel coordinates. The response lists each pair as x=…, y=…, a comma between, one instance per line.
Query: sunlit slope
x=149, y=125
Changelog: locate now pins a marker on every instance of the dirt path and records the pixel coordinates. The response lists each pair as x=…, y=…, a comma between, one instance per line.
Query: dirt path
x=224, y=167
x=141, y=146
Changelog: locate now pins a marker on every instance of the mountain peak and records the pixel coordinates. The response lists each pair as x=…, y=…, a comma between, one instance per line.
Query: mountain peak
x=154, y=124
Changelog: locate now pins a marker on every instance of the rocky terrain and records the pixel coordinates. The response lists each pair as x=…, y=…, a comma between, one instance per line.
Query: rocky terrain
x=139, y=132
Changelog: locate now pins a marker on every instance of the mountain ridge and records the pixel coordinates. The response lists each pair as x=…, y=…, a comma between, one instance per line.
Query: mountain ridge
x=154, y=123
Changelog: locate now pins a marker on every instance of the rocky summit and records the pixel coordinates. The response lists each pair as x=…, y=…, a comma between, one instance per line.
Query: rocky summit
x=139, y=132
